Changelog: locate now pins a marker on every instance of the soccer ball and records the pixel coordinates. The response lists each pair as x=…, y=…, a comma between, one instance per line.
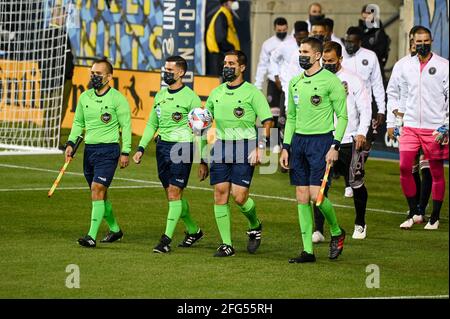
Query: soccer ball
x=199, y=119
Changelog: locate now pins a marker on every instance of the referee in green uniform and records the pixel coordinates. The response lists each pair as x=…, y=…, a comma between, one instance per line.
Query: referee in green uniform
x=315, y=96
x=235, y=105
x=101, y=112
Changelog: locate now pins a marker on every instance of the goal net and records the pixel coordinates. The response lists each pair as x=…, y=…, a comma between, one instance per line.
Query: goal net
x=33, y=36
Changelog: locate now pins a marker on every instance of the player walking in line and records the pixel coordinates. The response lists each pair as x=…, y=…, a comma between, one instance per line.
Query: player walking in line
x=174, y=150
x=101, y=111
x=424, y=87
x=351, y=158
x=394, y=124
x=315, y=96
x=235, y=106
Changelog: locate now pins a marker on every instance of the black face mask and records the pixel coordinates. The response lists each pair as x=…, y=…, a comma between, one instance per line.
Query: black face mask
x=281, y=35
x=351, y=48
x=319, y=37
x=331, y=67
x=423, y=49
x=229, y=74
x=169, y=78
x=305, y=62
x=97, y=82
x=316, y=18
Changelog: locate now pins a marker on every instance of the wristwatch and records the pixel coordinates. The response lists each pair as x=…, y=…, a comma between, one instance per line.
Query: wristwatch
x=262, y=143
x=336, y=145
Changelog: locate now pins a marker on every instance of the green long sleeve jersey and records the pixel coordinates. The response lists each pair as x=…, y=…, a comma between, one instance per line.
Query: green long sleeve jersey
x=170, y=116
x=312, y=103
x=235, y=110
x=102, y=117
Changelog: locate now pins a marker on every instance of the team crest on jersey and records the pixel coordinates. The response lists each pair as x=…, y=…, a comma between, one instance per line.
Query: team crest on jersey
x=316, y=100
x=177, y=116
x=365, y=62
x=238, y=112
x=432, y=71
x=345, y=84
x=106, y=117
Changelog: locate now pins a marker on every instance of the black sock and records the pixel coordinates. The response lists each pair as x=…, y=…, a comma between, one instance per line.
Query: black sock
x=412, y=203
x=425, y=190
x=418, y=183
x=437, y=204
x=360, y=201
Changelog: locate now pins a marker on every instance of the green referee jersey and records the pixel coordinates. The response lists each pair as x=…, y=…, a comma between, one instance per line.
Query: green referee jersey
x=235, y=110
x=170, y=116
x=312, y=103
x=102, y=117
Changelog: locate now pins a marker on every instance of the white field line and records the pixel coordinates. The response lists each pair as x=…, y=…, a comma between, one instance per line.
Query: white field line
x=72, y=188
x=192, y=187
x=404, y=297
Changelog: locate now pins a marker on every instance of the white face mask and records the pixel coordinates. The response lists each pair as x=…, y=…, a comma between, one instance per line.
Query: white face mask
x=235, y=6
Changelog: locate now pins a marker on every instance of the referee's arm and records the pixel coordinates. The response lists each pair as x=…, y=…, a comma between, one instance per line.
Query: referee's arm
x=124, y=118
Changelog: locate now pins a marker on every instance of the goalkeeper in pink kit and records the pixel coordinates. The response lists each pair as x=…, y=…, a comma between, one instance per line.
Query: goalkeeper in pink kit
x=424, y=86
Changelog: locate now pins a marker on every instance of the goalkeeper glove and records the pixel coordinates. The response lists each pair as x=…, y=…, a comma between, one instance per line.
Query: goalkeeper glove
x=398, y=126
x=441, y=135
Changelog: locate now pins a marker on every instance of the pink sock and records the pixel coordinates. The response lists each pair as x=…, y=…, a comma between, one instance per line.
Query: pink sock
x=406, y=176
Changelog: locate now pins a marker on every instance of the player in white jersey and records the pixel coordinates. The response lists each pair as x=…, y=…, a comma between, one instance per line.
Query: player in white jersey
x=424, y=88
x=351, y=158
x=365, y=64
x=273, y=88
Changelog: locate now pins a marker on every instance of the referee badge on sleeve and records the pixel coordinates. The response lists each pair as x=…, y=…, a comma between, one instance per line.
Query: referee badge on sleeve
x=296, y=99
x=105, y=117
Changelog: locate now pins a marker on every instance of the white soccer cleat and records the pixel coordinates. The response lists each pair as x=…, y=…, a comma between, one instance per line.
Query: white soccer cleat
x=360, y=232
x=348, y=192
x=418, y=219
x=430, y=226
x=276, y=149
x=407, y=224
x=317, y=237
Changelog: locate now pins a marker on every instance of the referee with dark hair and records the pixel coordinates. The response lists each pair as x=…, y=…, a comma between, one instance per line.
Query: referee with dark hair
x=104, y=114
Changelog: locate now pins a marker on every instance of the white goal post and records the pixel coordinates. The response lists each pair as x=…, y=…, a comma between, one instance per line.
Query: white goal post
x=33, y=36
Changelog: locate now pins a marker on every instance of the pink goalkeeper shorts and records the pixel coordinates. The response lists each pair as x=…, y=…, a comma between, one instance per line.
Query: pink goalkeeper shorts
x=414, y=138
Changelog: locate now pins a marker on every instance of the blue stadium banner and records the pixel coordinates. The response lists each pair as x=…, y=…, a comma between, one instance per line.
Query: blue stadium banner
x=179, y=30
x=130, y=32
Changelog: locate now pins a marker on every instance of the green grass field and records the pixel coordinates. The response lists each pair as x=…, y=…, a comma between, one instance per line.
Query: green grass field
x=39, y=240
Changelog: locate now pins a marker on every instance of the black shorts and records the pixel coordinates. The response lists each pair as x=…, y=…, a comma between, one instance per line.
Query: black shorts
x=307, y=159
x=273, y=98
x=174, y=162
x=100, y=162
x=229, y=162
x=350, y=164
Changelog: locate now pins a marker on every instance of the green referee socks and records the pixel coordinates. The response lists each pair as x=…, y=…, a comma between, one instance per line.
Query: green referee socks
x=98, y=211
x=330, y=215
x=175, y=209
x=306, y=226
x=109, y=217
x=191, y=226
x=249, y=210
x=223, y=220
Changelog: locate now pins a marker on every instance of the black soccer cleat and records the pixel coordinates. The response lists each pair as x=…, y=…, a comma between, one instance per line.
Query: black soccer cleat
x=190, y=239
x=337, y=245
x=254, y=239
x=87, y=241
x=112, y=237
x=163, y=245
x=304, y=257
x=224, y=250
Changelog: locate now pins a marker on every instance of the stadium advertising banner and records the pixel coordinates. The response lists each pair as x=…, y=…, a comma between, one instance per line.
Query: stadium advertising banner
x=139, y=34
x=138, y=87
x=20, y=91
